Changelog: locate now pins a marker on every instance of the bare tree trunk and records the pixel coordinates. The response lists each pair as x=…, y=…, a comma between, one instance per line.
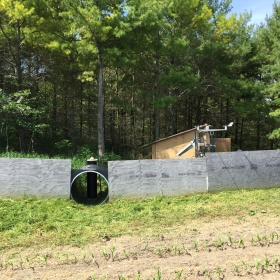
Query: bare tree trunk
x=258, y=132
x=81, y=118
x=89, y=114
x=18, y=73
x=157, y=96
x=132, y=118
x=100, y=101
x=143, y=122
x=241, y=132
x=72, y=120
x=236, y=132
x=18, y=70
x=171, y=121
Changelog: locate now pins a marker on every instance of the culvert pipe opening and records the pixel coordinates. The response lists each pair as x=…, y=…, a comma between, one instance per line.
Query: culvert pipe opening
x=89, y=185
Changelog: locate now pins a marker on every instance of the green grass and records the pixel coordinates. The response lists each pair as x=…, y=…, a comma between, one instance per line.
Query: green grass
x=76, y=161
x=28, y=221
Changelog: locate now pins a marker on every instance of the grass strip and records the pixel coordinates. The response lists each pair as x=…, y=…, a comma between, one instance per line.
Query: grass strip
x=29, y=221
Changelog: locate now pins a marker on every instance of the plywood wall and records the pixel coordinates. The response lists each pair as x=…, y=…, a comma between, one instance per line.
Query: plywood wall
x=168, y=148
x=222, y=144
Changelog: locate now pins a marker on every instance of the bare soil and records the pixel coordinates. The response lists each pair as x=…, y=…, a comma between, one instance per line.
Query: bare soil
x=236, y=248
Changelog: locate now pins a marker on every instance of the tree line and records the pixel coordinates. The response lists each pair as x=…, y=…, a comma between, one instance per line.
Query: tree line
x=118, y=75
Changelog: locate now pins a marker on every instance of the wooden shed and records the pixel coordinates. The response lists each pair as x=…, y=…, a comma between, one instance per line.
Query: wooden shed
x=168, y=147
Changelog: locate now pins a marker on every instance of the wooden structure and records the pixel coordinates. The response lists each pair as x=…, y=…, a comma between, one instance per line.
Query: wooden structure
x=168, y=147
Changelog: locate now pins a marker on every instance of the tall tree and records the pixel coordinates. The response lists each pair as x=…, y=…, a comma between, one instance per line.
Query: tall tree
x=270, y=53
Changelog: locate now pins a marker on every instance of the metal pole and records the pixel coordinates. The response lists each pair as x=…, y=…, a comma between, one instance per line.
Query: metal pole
x=195, y=145
x=213, y=142
x=91, y=181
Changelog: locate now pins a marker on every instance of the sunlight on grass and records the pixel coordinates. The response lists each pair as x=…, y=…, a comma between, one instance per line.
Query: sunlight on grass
x=28, y=221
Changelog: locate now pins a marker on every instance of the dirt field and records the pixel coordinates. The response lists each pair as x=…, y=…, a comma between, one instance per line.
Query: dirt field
x=237, y=248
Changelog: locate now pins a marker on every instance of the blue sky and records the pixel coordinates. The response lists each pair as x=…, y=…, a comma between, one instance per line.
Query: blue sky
x=259, y=8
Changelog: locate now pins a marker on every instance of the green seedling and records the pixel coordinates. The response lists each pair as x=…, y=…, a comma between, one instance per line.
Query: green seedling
x=275, y=262
x=58, y=257
x=206, y=273
x=265, y=238
x=104, y=253
x=195, y=244
x=258, y=265
x=176, y=249
x=179, y=274
x=219, y=242
x=258, y=237
x=125, y=253
x=11, y=263
x=252, y=240
x=93, y=259
x=266, y=263
x=45, y=258
x=158, y=276
x=28, y=261
x=66, y=259
x=186, y=249
x=159, y=251
x=245, y=265
x=84, y=256
x=241, y=242
x=218, y=270
x=20, y=262
x=252, y=212
x=274, y=235
x=236, y=269
x=229, y=240
x=113, y=249
x=120, y=277
x=138, y=277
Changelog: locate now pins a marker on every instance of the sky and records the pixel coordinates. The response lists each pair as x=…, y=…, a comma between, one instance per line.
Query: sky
x=259, y=8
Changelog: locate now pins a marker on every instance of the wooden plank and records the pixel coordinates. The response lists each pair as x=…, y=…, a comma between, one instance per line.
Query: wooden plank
x=168, y=148
x=154, y=151
x=222, y=144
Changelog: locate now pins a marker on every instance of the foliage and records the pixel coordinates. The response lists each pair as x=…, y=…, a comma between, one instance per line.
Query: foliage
x=79, y=160
x=65, y=222
x=270, y=46
x=121, y=74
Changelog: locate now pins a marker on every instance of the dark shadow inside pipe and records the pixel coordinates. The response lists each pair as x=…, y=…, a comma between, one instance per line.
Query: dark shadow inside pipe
x=89, y=187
